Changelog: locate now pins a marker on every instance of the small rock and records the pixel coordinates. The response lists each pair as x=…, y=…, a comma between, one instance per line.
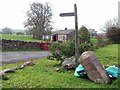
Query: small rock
x=57, y=69
x=69, y=63
x=11, y=70
x=20, y=66
x=2, y=75
x=29, y=63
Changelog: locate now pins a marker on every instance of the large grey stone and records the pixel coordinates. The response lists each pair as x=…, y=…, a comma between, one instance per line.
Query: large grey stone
x=69, y=63
x=93, y=68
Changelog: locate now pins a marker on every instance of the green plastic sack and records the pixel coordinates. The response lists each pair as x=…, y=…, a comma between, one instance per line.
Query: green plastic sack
x=113, y=71
x=80, y=71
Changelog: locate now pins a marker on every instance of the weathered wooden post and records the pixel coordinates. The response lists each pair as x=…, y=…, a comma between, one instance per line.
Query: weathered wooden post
x=76, y=30
x=76, y=35
x=119, y=12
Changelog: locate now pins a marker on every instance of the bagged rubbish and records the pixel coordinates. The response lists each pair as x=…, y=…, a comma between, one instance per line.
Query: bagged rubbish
x=113, y=71
x=80, y=71
x=92, y=68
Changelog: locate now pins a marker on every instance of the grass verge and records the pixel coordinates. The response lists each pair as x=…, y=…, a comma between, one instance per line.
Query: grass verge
x=19, y=37
x=44, y=75
x=108, y=55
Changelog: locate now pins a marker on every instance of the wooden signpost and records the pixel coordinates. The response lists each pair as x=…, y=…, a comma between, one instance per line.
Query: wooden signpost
x=119, y=12
x=67, y=14
x=76, y=30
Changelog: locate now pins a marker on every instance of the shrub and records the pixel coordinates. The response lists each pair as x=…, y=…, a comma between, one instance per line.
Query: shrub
x=83, y=35
x=113, y=34
x=67, y=49
x=20, y=33
x=86, y=46
x=84, y=40
x=100, y=40
x=54, y=47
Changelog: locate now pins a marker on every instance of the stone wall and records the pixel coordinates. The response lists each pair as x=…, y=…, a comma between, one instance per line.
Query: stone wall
x=16, y=44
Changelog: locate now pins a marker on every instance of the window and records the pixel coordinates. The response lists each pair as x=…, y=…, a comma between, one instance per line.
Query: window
x=61, y=37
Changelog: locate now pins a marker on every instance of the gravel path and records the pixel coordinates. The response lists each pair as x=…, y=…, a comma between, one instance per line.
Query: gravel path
x=13, y=57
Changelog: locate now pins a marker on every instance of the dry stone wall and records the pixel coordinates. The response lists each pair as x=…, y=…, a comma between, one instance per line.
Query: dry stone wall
x=16, y=44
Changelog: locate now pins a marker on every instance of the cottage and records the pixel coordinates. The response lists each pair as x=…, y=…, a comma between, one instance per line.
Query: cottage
x=63, y=35
x=46, y=37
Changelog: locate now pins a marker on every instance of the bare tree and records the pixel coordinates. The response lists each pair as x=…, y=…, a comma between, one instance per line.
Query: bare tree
x=112, y=31
x=110, y=23
x=39, y=19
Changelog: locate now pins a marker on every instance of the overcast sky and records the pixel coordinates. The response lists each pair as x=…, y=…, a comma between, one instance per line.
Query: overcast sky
x=91, y=13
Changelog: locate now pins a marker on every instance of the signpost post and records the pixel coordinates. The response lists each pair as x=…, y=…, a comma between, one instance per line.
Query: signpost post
x=76, y=30
x=76, y=35
x=119, y=12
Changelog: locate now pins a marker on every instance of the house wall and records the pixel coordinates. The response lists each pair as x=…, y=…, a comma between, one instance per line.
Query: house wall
x=46, y=37
x=71, y=36
x=51, y=38
x=62, y=37
x=54, y=37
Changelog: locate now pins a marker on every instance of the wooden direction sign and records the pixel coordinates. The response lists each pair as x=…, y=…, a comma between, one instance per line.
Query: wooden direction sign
x=76, y=30
x=67, y=14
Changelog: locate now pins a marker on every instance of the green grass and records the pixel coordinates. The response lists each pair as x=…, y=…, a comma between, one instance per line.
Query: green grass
x=94, y=40
x=44, y=75
x=18, y=37
x=108, y=55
